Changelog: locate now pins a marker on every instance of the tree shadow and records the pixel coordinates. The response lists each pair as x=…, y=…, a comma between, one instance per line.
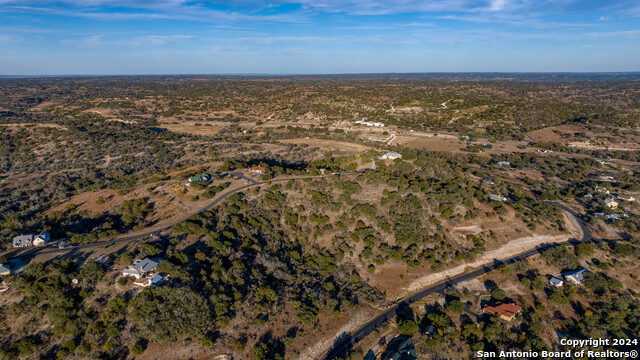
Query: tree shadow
x=341, y=346
x=274, y=344
x=490, y=285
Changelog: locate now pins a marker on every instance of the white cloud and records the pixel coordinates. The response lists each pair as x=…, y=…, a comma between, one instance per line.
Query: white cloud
x=239, y=11
x=85, y=42
x=497, y=5
x=150, y=11
x=615, y=34
x=6, y=38
x=162, y=39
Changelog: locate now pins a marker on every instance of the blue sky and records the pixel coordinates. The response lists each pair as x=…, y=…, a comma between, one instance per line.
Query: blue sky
x=40, y=37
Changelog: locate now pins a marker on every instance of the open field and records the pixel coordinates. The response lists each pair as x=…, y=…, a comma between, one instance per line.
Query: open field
x=431, y=144
x=328, y=144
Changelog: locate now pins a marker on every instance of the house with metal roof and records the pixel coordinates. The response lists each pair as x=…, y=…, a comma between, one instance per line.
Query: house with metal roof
x=496, y=197
x=555, y=282
x=400, y=348
x=611, y=203
x=576, y=277
x=140, y=268
x=204, y=177
x=31, y=240
x=629, y=198
x=152, y=281
x=391, y=156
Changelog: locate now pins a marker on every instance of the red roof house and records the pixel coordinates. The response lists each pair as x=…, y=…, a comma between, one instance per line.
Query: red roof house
x=506, y=311
x=258, y=169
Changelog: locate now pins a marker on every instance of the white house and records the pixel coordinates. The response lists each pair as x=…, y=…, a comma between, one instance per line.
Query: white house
x=390, y=156
x=31, y=240
x=258, y=169
x=152, y=281
x=610, y=203
x=602, y=190
x=629, y=198
x=576, y=277
x=140, y=268
x=204, y=177
x=370, y=123
x=555, y=282
x=495, y=197
x=504, y=164
x=41, y=239
x=612, y=217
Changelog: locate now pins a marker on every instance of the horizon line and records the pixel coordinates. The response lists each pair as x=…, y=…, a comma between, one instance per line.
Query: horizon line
x=327, y=74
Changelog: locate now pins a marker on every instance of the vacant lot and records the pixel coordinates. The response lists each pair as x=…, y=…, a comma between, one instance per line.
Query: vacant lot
x=431, y=143
x=328, y=144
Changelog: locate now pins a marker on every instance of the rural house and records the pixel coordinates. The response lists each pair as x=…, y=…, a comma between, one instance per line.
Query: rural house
x=495, y=197
x=628, y=198
x=152, y=281
x=140, y=268
x=390, y=156
x=555, y=282
x=610, y=203
x=576, y=277
x=400, y=348
x=370, y=123
x=31, y=240
x=204, y=177
x=507, y=311
x=258, y=169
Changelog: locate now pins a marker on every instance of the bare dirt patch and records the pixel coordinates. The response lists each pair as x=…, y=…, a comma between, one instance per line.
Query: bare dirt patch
x=612, y=147
x=198, y=127
x=514, y=247
x=431, y=143
x=328, y=144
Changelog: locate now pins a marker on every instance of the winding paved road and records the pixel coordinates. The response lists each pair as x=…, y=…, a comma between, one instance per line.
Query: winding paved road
x=33, y=251
x=347, y=341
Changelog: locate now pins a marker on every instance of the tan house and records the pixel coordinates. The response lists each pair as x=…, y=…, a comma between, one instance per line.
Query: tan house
x=152, y=281
x=140, y=268
x=610, y=203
